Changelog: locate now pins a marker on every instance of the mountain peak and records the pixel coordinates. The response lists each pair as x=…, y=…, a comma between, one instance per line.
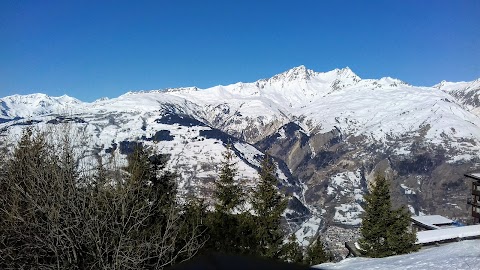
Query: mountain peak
x=296, y=73
x=345, y=72
x=441, y=84
x=346, y=69
x=300, y=68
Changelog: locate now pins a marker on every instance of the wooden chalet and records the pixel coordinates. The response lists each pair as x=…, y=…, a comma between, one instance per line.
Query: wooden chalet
x=474, y=201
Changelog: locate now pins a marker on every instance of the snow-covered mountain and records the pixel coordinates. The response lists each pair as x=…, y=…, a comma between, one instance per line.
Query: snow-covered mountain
x=329, y=132
x=467, y=93
x=24, y=106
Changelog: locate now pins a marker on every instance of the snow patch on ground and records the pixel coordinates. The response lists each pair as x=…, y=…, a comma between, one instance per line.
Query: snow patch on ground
x=348, y=214
x=312, y=150
x=308, y=230
x=344, y=182
x=347, y=184
x=249, y=153
x=407, y=190
x=282, y=134
x=459, y=255
x=402, y=151
x=461, y=157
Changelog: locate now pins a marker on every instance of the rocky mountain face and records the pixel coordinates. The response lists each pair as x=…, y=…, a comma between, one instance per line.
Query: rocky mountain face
x=329, y=133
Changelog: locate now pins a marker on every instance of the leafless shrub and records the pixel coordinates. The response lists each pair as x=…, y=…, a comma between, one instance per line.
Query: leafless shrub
x=52, y=216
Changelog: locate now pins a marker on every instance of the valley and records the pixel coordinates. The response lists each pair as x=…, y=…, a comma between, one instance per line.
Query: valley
x=329, y=133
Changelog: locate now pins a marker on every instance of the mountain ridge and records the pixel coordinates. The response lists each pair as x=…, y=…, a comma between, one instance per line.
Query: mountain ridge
x=299, y=72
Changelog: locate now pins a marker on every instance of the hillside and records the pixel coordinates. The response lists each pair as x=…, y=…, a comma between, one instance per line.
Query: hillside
x=329, y=132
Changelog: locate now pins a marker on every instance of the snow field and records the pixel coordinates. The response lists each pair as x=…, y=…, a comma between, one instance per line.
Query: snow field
x=459, y=256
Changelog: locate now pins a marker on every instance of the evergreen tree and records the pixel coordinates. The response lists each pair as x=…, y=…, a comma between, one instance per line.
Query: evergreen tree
x=291, y=251
x=376, y=219
x=228, y=194
x=194, y=216
x=246, y=240
x=146, y=173
x=385, y=231
x=400, y=238
x=224, y=224
x=269, y=205
x=316, y=253
x=163, y=184
x=100, y=175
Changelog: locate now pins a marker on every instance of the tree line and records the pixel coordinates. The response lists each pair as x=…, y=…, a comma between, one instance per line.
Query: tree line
x=256, y=230
x=54, y=216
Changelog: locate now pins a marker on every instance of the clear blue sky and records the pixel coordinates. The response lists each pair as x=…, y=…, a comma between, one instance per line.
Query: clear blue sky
x=92, y=49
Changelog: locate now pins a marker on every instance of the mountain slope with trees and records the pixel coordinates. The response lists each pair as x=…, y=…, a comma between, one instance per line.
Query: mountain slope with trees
x=328, y=132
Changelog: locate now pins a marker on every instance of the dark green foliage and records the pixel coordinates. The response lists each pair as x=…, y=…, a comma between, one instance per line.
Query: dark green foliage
x=376, y=219
x=197, y=209
x=247, y=243
x=228, y=194
x=316, y=253
x=234, y=230
x=291, y=251
x=156, y=186
x=230, y=228
x=223, y=233
x=269, y=205
x=194, y=215
x=231, y=233
x=400, y=238
x=385, y=231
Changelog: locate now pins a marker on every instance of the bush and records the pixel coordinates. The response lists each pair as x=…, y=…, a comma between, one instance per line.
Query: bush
x=53, y=216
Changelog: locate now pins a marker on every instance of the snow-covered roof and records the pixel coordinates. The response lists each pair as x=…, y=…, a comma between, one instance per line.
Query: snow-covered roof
x=475, y=175
x=432, y=221
x=425, y=237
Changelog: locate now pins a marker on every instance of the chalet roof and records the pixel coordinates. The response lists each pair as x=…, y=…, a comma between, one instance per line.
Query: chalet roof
x=432, y=221
x=425, y=237
x=473, y=175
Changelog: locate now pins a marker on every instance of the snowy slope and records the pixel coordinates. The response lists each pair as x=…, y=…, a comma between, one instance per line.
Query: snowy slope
x=339, y=99
x=466, y=93
x=460, y=255
x=36, y=104
x=319, y=102
x=165, y=123
x=114, y=125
